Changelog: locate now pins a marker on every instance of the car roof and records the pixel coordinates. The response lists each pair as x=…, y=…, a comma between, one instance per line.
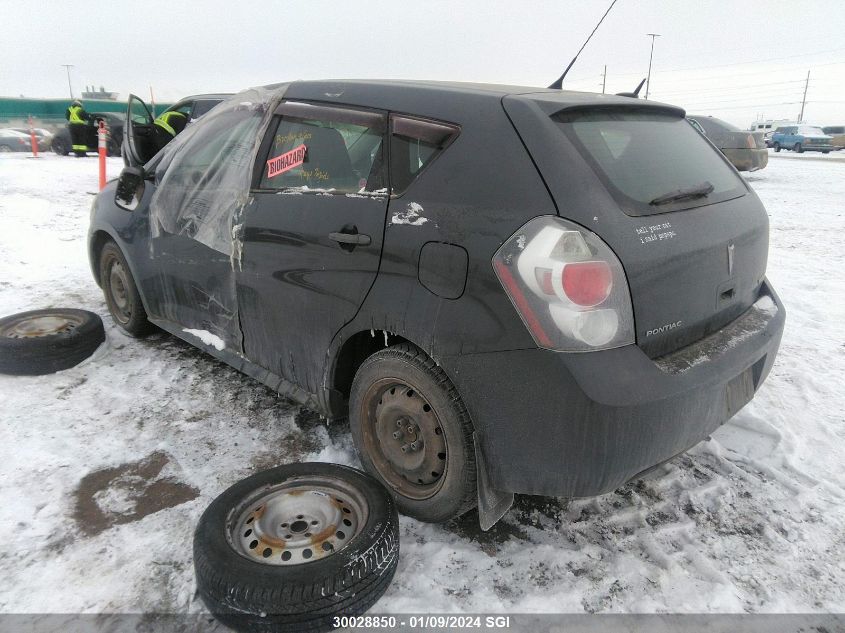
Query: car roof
x=375, y=91
x=215, y=95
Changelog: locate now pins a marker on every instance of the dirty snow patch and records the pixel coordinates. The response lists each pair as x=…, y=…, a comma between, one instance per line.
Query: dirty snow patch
x=411, y=216
x=208, y=338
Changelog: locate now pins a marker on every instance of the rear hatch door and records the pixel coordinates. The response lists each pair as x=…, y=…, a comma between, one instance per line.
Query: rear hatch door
x=690, y=233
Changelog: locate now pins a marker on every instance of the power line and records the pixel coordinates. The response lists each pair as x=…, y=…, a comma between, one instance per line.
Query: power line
x=742, y=74
x=731, y=88
x=752, y=61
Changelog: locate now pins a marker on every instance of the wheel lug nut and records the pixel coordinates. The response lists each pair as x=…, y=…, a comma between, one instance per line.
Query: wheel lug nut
x=416, y=445
x=397, y=435
x=405, y=448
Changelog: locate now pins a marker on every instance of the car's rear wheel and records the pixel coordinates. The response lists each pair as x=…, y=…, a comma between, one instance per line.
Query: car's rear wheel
x=413, y=433
x=798, y=148
x=5, y=148
x=121, y=293
x=776, y=146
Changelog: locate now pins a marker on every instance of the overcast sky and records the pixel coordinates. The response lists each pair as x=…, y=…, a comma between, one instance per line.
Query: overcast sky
x=738, y=60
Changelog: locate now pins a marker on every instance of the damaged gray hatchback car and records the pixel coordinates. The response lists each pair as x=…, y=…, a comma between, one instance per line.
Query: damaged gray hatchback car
x=505, y=289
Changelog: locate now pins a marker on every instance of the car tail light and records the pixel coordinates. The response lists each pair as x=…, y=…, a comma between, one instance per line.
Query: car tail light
x=567, y=285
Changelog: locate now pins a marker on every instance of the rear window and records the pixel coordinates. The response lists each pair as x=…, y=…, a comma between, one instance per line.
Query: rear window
x=644, y=157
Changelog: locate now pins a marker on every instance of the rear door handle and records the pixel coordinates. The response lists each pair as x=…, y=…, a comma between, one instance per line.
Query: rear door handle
x=358, y=239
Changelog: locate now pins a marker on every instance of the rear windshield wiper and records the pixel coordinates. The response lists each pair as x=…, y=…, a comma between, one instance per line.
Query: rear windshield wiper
x=690, y=193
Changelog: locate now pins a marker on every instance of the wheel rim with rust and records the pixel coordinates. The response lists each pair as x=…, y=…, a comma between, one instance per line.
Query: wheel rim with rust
x=297, y=522
x=118, y=295
x=38, y=326
x=404, y=438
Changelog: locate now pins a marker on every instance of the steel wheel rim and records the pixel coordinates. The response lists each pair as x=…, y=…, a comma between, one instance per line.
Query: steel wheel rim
x=119, y=291
x=38, y=326
x=297, y=522
x=396, y=416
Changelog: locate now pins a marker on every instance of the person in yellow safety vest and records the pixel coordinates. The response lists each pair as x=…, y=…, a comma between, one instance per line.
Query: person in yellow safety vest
x=167, y=126
x=78, y=121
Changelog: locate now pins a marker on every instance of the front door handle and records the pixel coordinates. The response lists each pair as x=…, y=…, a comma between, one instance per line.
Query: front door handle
x=356, y=239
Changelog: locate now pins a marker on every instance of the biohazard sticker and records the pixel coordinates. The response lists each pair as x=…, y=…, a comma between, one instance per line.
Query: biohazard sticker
x=287, y=161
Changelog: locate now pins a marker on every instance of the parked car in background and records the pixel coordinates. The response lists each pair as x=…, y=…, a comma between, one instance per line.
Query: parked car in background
x=43, y=137
x=139, y=117
x=14, y=141
x=837, y=134
x=802, y=138
x=768, y=128
x=505, y=289
x=61, y=143
x=745, y=150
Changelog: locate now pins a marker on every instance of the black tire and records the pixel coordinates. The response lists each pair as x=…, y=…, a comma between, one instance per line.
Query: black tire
x=249, y=595
x=827, y=151
x=60, y=147
x=450, y=492
x=5, y=148
x=797, y=147
x=42, y=342
x=122, y=297
x=777, y=147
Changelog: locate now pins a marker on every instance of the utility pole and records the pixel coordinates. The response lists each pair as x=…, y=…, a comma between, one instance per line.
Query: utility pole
x=651, y=55
x=67, y=68
x=804, y=100
x=604, y=79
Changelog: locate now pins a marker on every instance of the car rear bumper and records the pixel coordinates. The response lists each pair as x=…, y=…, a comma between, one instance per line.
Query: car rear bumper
x=746, y=159
x=561, y=424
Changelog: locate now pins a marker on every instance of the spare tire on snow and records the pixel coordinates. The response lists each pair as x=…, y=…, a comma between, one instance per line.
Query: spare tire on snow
x=294, y=547
x=46, y=341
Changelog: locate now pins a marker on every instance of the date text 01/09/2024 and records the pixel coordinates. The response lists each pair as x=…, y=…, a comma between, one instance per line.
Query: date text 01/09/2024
x=434, y=622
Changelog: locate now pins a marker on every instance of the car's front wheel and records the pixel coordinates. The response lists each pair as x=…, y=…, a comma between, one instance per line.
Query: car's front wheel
x=776, y=146
x=798, y=148
x=121, y=293
x=413, y=433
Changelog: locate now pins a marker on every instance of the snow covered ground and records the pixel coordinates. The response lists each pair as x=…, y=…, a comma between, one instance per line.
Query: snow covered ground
x=105, y=468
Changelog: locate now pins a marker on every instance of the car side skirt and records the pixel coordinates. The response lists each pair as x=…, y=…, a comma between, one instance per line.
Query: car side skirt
x=273, y=381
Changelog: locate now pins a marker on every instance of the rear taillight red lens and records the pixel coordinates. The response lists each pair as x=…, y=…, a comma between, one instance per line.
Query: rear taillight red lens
x=587, y=283
x=567, y=285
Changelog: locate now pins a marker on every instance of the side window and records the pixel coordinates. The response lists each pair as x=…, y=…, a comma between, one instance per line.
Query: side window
x=414, y=144
x=327, y=149
x=201, y=106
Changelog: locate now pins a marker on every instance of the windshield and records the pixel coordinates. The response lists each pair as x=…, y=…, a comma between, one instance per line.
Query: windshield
x=644, y=156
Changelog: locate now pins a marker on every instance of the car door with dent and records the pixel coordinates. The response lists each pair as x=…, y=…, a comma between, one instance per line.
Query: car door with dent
x=200, y=193
x=312, y=234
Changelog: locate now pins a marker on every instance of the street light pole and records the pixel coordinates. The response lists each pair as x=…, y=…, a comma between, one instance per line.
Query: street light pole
x=651, y=55
x=67, y=68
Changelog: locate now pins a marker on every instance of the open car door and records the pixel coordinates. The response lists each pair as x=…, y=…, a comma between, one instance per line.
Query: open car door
x=139, y=144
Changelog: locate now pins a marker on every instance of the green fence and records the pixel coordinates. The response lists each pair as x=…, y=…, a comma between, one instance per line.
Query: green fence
x=16, y=111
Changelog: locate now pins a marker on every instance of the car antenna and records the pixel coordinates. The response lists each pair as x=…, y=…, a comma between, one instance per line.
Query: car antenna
x=558, y=84
x=635, y=94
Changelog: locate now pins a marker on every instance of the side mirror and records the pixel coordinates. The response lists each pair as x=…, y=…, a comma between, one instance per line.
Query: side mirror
x=130, y=188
